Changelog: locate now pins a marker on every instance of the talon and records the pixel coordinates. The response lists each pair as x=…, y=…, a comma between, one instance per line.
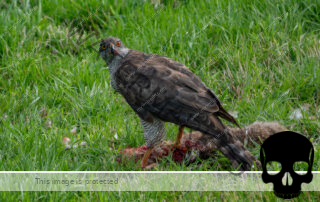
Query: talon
x=179, y=147
x=145, y=157
x=179, y=136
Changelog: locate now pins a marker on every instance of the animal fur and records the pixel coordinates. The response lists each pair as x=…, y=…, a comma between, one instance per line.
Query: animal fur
x=203, y=145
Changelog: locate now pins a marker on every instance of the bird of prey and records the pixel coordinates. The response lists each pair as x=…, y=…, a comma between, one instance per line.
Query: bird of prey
x=160, y=90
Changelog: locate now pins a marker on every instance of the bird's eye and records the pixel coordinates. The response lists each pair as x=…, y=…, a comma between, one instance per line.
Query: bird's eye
x=103, y=47
x=118, y=43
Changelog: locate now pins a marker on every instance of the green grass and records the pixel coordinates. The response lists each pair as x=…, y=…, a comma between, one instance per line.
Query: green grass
x=156, y=196
x=261, y=58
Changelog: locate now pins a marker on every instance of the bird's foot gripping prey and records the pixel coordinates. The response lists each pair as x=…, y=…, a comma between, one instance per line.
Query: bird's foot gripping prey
x=199, y=146
x=160, y=90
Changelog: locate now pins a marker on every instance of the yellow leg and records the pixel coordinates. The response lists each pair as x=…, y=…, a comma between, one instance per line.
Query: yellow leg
x=146, y=157
x=179, y=136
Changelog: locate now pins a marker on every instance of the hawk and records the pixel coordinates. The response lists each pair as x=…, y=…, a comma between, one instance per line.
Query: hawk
x=161, y=90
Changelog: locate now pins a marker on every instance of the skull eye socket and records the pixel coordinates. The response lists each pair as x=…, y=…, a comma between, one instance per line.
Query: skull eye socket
x=300, y=166
x=273, y=167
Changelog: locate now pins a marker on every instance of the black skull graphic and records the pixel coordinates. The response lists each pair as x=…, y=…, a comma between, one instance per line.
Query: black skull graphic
x=287, y=148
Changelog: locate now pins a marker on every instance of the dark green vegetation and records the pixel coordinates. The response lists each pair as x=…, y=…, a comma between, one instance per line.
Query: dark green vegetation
x=260, y=57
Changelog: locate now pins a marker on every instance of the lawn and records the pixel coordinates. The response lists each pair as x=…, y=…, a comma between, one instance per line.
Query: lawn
x=261, y=58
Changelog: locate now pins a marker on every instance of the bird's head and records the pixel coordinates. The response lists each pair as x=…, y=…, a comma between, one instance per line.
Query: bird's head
x=110, y=48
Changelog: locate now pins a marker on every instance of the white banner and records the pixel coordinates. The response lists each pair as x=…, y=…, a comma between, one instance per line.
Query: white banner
x=139, y=181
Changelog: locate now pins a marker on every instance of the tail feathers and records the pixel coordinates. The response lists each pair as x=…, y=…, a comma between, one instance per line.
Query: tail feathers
x=232, y=148
x=236, y=153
